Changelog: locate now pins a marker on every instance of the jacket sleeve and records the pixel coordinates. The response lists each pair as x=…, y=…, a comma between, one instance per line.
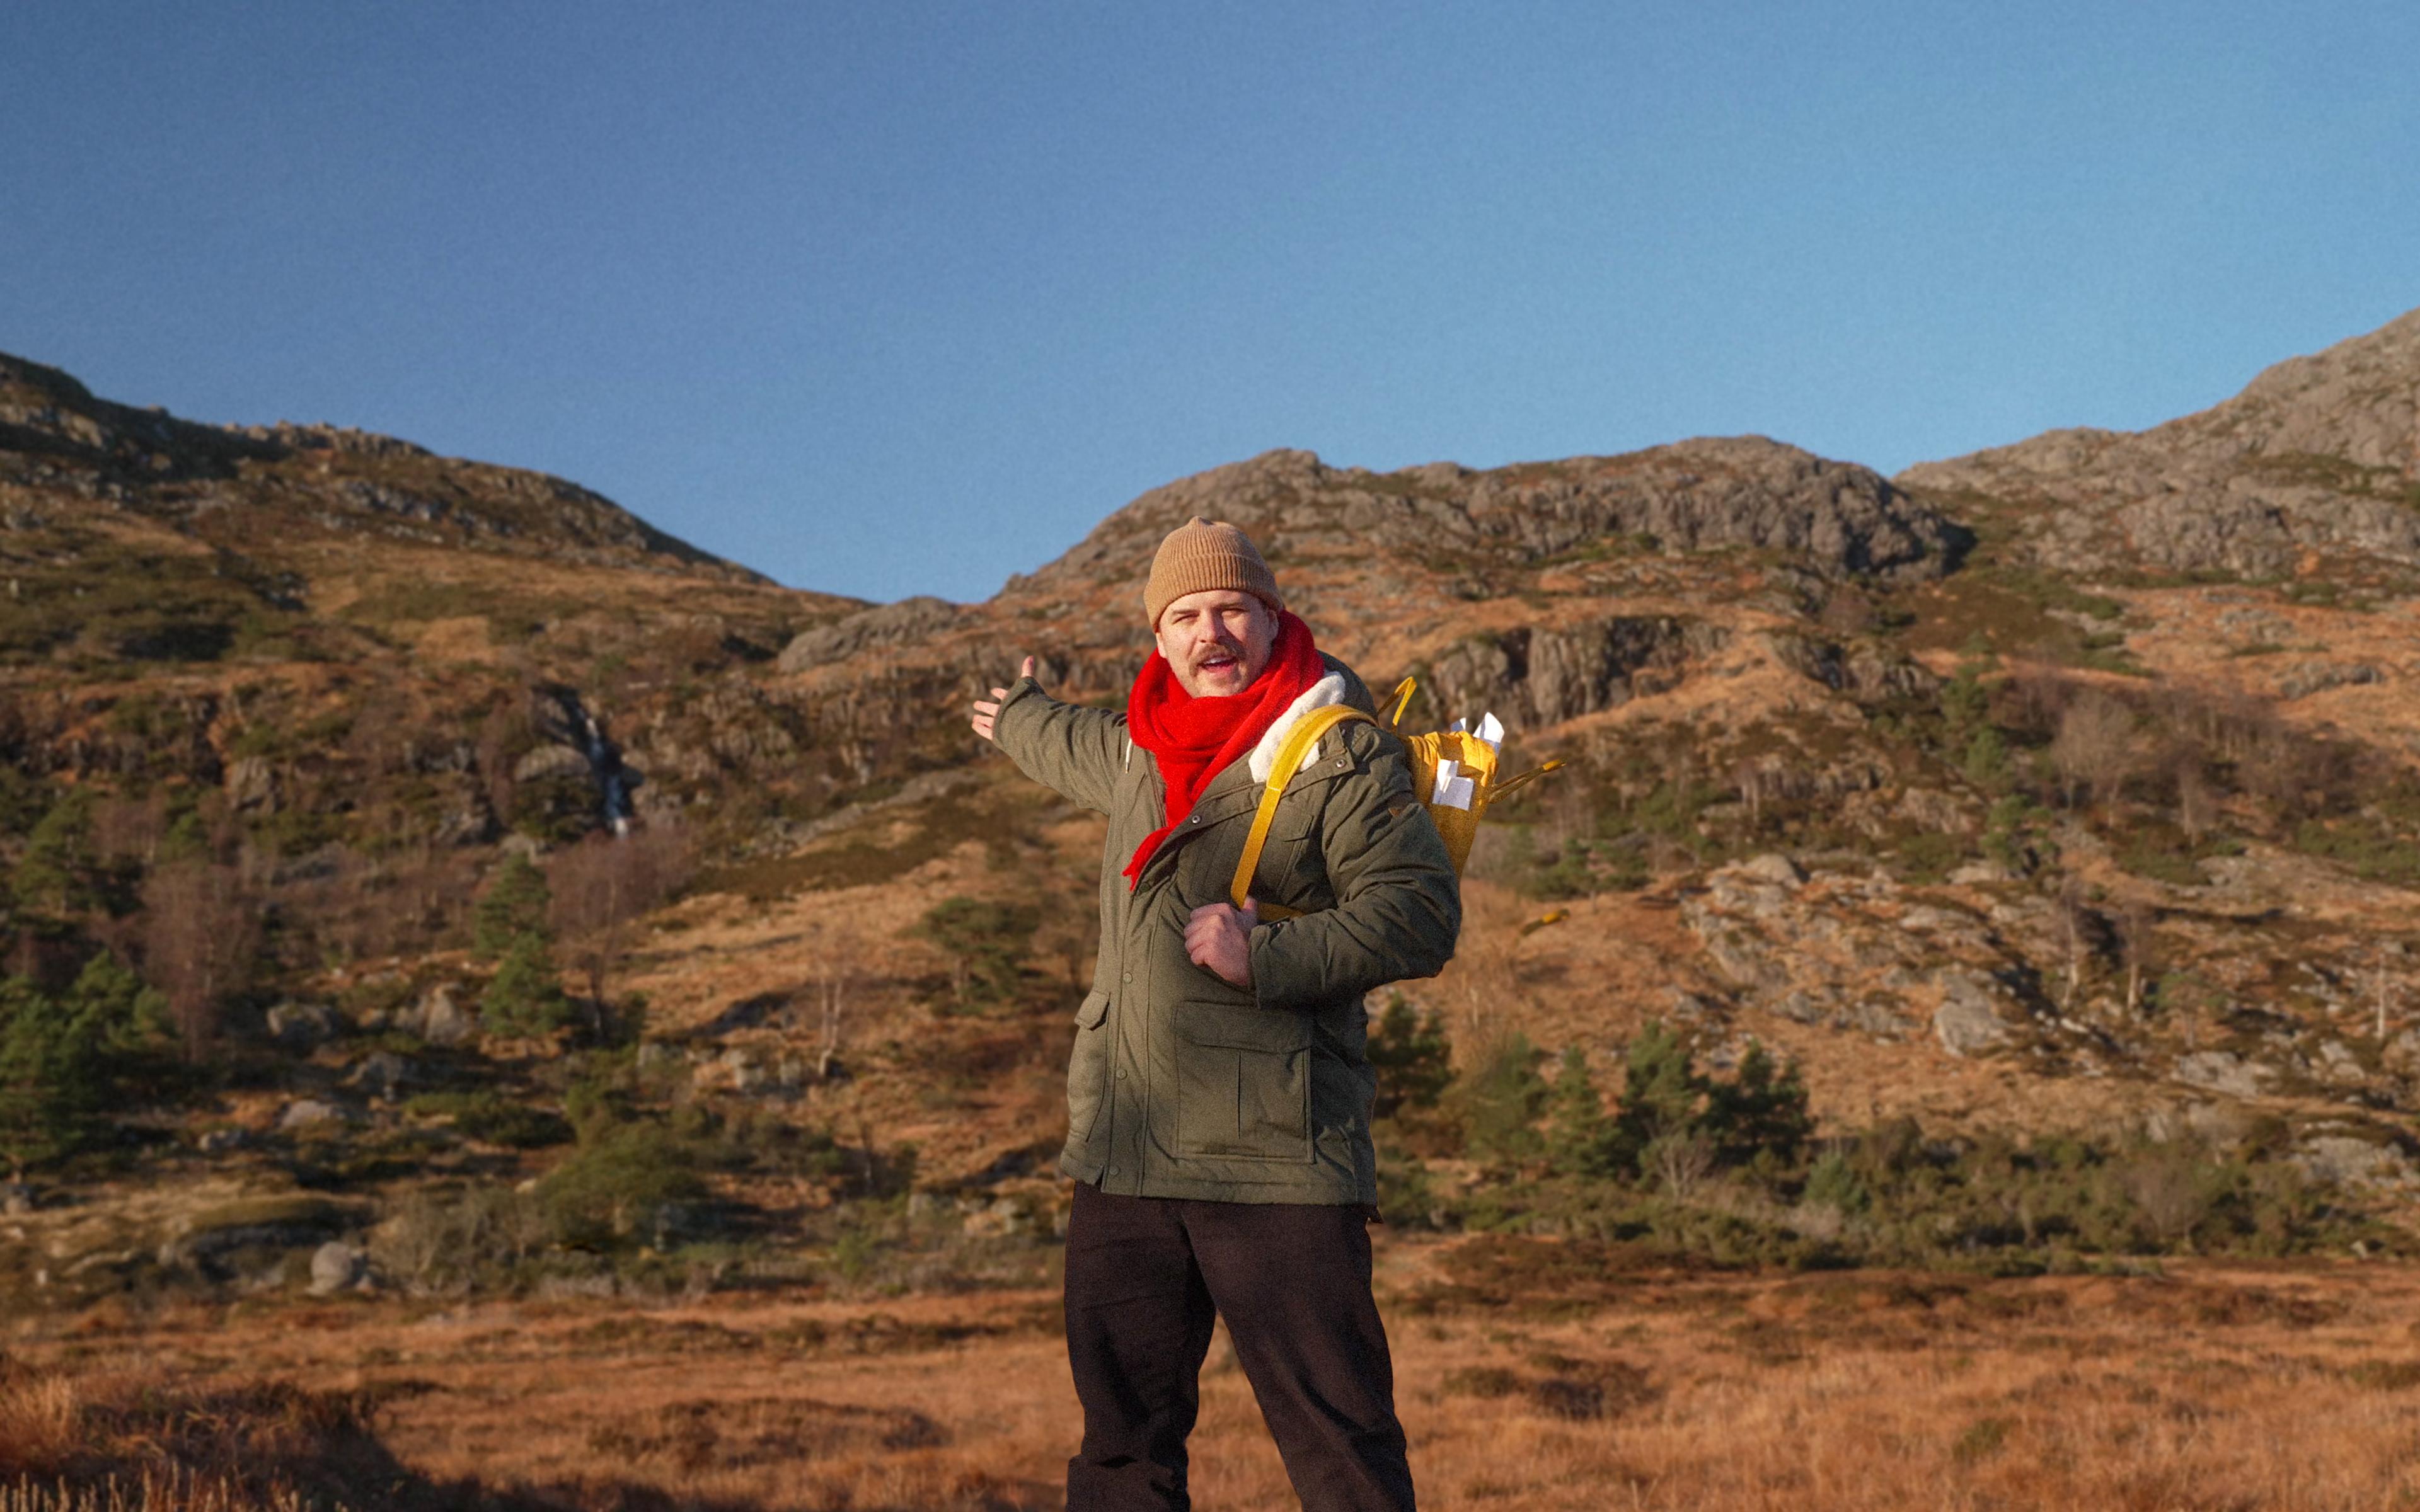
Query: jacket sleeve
x=1074, y=751
x=1398, y=902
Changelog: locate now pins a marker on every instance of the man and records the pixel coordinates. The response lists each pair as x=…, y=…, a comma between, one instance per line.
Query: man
x=1218, y=1096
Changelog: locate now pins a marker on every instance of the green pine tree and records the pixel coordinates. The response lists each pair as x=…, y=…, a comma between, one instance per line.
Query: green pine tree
x=57, y=875
x=1500, y=1098
x=1761, y=1112
x=61, y=1057
x=1412, y=1057
x=515, y=904
x=1663, y=1095
x=1579, y=1134
x=526, y=997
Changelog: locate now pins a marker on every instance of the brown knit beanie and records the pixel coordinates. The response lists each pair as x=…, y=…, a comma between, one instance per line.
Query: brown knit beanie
x=1202, y=554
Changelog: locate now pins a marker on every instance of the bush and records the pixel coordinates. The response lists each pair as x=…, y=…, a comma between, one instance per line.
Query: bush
x=434, y=1239
x=630, y=1181
x=986, y=943
x=491, y=1118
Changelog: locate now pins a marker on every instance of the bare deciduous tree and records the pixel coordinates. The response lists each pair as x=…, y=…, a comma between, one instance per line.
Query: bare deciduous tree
x=600, y=886
x=2385, y=983
x=201, y=932
x=2138, y=947
x=2196, y=799
x=2095, y=746
x=2075, y=932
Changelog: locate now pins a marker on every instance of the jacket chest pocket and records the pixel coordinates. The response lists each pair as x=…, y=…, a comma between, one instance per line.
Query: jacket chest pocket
x=1243, y=1083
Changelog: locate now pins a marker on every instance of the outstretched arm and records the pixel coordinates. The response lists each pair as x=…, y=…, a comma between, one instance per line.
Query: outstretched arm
x=1074, y=751
x=987, y=711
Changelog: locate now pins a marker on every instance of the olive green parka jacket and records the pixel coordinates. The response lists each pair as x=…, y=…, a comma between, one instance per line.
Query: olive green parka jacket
x=1181, y=1085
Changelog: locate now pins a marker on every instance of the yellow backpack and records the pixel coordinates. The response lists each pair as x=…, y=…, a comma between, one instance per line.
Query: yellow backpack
x=1456, y=769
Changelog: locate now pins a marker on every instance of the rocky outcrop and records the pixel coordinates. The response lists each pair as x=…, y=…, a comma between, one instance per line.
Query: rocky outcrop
x=1534, y=677
x=885, y=625
x=2318, y=454
x=56, y=437
x=1698, y=495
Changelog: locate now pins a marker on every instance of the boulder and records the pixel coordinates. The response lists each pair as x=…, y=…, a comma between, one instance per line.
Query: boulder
x=336, y=1266
x=302, y=1026
x=441, y=1018
x=1979, y=873
x=381, y=1074
x=1969, y=1021
x=1773, y=867
x=310, y=1113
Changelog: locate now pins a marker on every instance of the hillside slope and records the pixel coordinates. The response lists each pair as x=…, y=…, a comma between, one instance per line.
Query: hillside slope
x=2067, y=788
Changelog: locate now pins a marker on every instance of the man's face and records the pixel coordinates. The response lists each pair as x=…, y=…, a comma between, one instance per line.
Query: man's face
x=1217, y=641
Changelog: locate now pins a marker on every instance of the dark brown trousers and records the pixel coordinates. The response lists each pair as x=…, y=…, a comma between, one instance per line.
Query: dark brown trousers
x=1146, y=1276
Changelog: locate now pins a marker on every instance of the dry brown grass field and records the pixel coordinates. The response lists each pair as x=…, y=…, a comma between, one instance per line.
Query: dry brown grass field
x=1532, y=1375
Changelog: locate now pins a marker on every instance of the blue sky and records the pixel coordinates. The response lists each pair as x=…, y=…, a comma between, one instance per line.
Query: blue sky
x=897, y=297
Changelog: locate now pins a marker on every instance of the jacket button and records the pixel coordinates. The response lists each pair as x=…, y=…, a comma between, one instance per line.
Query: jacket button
x=1128, y=977
x=1115, y=1171
x=1121, y=1075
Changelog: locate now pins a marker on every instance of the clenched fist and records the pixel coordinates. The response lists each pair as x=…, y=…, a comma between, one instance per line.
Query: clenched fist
x=1218, y=938
x=987, y=710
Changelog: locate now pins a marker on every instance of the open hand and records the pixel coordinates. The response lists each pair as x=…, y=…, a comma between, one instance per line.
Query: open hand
x=1218, y=938
x=987, y=710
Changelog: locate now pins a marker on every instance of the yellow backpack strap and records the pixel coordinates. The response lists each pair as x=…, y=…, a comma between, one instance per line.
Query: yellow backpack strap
x=1530, y=776
x=1403, y=697
x=1296, y=745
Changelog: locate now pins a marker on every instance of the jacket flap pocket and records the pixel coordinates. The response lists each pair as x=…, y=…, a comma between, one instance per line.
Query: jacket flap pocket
x=1271, y=1029
x=1095, y=1008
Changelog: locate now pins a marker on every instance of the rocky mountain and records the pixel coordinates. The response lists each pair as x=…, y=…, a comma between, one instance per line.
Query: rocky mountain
x=2069, y=786
x=2313, y=471
x=262, y=484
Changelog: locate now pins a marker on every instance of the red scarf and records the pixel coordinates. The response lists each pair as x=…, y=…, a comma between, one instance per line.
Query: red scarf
x=1195, y=739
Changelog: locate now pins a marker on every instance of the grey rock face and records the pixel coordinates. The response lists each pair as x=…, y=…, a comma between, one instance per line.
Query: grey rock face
x=2348, y=1161
x=1530, y=677
x=886, y=625
x=551, y=761
x=2318, y=455
x=2306, y=678
x=2218, y=1071
x=1693, y=495
x=1968, y=1021
x=251, y=785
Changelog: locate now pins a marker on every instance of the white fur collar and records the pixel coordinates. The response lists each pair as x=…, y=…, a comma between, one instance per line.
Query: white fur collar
x=1329, y=690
